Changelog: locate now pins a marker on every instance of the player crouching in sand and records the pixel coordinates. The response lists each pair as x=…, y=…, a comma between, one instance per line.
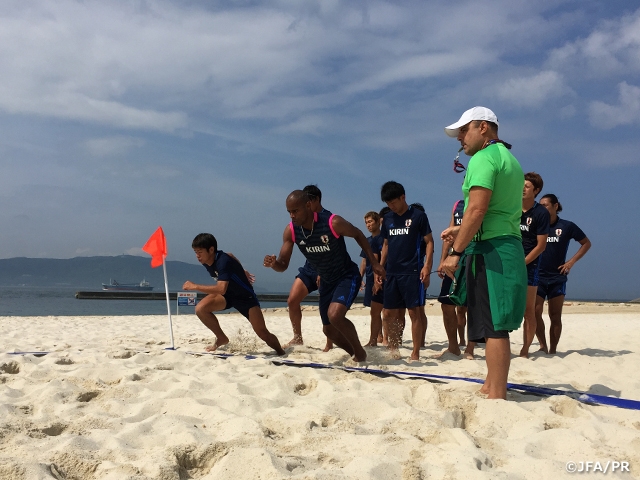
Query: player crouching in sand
x=232, y=289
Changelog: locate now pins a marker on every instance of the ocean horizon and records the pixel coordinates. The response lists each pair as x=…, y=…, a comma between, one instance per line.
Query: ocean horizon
x=31, y=301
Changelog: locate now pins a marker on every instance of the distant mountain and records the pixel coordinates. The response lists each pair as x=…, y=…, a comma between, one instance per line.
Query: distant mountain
x=88, y=273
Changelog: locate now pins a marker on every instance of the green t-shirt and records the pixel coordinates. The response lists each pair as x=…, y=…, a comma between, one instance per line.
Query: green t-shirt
x=495, y=168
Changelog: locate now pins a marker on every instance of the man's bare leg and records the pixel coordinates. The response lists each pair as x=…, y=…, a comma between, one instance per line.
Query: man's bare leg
x=416, y=331
x=257, y=322
x=376, y=324
x=385, y=329
x=468, y=352
x=461, y=314
x=204, y=311
x=337, y=338
x=540, y=327
x=529, y=330
x=498, y=353
x=555, y=316
x=394, y=330
x=297, y=294
x=450, y=321
x=337, y=316
x=424, y=323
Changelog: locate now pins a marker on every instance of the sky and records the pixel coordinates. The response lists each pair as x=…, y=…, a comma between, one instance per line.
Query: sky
x=117, y=117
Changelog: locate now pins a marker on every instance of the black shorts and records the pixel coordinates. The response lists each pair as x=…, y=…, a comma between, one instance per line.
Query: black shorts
x=368, y=293
x=551, y=289
x=403, y=291
x=533, y=271
x=242, y=303
x=479, y=322
x=444, y=290
x=309, y=277
x=344, y=291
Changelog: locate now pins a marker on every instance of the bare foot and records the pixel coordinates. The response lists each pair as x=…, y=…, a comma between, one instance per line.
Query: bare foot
x=414, y=356
x=328, y=346
x=454, y=351
x=524, y=354
x=294, y=341
x=372, y=343
x=380, y=339
x=462, y=343
x=544, y=349
x=217, y=344
x=360, y=355
x=468, y=355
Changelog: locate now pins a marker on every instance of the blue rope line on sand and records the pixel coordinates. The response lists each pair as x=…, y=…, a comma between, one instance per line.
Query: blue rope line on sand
x=583, y=397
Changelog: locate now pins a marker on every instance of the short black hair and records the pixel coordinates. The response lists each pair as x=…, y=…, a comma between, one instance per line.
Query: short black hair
x=391, y=190
x=206, y=241
x=419, y=206
x=313, y=192
x=554, y=200
x=384, y=211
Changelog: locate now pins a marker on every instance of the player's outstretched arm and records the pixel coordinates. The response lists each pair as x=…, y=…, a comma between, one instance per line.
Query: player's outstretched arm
x=428, y=264
x=346, y=229
x=219, y=288
x=281, y=263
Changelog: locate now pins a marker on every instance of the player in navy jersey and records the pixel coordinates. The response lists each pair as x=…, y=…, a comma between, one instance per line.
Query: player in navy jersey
x=372, y=222
x=534, y=227
x=232, y=289
x=320, y=238
x=407, y=277
x=424, y=322
x=453, y=317
x=305, y=282
x=554, y=269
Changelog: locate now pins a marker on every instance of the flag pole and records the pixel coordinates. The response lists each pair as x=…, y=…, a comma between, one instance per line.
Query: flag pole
x=166, y=290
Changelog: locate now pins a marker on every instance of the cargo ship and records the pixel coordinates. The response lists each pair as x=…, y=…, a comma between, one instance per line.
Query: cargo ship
x=113, y=285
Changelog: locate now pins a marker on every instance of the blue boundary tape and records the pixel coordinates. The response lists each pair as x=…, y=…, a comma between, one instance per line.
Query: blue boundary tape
x=583, y=397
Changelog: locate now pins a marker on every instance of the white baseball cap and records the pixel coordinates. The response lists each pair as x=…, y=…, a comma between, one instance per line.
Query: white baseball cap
x=475, y=113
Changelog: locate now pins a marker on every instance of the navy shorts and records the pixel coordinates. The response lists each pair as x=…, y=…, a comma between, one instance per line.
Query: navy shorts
x=242, y=303
x=344, y=291
x=403, y=291
x=532, y=273
x=309, y=277
x=368, y=293
x=444, y=290
x=479, y=322
x=551, y=289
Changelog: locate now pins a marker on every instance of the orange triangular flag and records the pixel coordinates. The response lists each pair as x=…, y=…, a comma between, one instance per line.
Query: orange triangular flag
x=156, y=246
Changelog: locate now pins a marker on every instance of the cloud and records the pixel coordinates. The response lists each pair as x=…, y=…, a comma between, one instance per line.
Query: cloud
x=627, y=112
x=110, y=146
x=532, y=91
x=610, y=50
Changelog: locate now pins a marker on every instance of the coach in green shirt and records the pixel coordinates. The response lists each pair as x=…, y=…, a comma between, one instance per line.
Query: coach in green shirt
x=495, y=275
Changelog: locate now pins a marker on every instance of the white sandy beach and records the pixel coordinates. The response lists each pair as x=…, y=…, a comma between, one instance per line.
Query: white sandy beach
x=109, y=402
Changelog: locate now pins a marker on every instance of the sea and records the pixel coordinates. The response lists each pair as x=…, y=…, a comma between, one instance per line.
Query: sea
x=61, y=301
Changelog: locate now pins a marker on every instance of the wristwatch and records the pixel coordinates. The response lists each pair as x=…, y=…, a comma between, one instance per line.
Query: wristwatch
x=453, y=253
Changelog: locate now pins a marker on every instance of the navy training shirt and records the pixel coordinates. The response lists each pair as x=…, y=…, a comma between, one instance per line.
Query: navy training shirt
x=560, y=235
x=376, y=246
x=404, y=234
x=533, y=222
x=325, y=250
x=225, y=268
